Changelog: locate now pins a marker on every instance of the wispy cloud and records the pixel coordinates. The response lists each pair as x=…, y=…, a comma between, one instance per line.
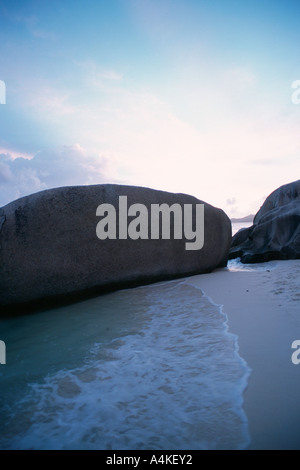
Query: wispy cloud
x=144, y=142
x=231, y=201
x=30, y=21
x=177, y=96
x=60, y=166
x=96, y=77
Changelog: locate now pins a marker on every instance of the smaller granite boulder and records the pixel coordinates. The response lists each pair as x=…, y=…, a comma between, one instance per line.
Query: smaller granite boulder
x=275, y=233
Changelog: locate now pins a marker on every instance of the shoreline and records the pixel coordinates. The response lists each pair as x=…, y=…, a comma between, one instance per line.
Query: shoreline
x=262, y=304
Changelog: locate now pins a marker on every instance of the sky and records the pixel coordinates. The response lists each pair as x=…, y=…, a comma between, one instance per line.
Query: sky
x=189, y=96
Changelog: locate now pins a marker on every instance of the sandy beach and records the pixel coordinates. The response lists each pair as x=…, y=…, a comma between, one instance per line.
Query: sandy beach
x=263, y=308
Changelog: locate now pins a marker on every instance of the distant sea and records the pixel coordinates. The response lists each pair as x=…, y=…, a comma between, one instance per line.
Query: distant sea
x=236, y=226
x=153, y=367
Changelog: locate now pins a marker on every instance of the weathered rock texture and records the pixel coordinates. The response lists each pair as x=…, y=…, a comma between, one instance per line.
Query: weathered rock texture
x=49, y=251
x=275, y=233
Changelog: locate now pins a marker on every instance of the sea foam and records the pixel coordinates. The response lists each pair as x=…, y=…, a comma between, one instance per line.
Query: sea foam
x=163, y=373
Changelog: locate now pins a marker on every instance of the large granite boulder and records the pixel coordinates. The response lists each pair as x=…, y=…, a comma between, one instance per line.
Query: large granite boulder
x=275, y=233
x=50, y=252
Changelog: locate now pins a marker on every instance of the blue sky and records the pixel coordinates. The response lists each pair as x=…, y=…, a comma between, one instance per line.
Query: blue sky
x=182, y=95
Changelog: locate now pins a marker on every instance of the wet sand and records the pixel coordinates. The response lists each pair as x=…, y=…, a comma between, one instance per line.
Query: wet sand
x=263, y=309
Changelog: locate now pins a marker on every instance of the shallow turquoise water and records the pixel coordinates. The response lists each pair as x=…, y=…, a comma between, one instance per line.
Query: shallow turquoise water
x=146, y=368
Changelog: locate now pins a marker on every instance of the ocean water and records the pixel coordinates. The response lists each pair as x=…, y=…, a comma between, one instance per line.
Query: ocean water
x=153, y=367
x=236, y=226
